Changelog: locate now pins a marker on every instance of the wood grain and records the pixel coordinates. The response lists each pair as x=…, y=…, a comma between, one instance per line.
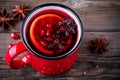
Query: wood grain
x=96, y=15
x=100, y=18
x=104, y=60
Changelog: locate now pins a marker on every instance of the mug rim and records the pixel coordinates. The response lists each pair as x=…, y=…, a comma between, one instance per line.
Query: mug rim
x=43, y=56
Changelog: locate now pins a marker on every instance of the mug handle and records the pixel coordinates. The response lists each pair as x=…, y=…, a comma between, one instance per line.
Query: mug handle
x=13, y=52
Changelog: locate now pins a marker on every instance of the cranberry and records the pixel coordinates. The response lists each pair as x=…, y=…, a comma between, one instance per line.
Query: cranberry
x=47, y=32
x=42, y=32
x=14, y=35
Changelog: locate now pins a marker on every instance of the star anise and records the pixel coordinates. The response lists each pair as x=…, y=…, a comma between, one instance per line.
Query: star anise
x=5, y=19
x=20, y=11
x=55, y=42
x=99, y=45
x=67, y=26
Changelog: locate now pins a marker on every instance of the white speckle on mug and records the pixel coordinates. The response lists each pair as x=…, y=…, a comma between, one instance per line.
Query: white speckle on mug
x=42, y=71
x=58, y=65
x=24, y=65
x=49, y=69
x=43, y=67
x=61, y=70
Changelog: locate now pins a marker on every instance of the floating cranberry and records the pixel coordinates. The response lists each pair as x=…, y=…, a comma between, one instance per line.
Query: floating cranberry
x=43, y=43
x=15, y=35
x=42, y=33
x=47, y=32
x=49, y=26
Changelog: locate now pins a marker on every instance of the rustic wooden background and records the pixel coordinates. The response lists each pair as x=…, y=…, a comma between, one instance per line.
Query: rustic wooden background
x=101, y=18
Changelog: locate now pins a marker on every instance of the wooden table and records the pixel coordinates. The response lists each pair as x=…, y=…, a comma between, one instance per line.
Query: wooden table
x=101, y=18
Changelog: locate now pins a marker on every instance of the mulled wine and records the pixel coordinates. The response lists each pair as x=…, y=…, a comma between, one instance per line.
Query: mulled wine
x=52, y=31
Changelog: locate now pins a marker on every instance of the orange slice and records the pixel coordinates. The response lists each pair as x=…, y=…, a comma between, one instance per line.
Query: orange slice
x=40, y=27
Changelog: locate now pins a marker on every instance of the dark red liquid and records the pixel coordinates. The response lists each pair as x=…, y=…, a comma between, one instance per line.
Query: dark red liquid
x=43, y=33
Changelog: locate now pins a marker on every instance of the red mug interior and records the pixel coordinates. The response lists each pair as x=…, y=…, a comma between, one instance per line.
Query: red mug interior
x=41, y=16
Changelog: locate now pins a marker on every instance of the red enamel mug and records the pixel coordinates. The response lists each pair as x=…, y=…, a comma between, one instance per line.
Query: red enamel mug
x=35, y=55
